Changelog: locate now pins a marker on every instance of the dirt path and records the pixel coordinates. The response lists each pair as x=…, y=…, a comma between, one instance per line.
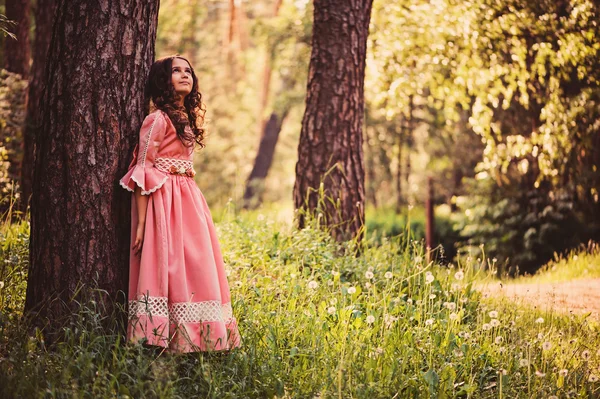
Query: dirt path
x=579, y=296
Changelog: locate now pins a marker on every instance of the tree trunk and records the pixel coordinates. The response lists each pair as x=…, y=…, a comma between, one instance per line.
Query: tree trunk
x=330, y=149
x=399, y=134
x=16, y=52
x=44, y=16
x=264, y=159
x=409, y=136
x=92, y=109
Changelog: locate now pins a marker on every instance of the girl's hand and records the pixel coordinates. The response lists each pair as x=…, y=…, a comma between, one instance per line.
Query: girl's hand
x=139, y=238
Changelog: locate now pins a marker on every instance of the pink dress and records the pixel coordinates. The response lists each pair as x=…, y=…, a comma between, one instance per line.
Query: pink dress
x=178, y=291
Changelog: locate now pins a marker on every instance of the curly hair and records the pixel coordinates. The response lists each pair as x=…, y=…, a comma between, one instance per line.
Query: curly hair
x=160, y=90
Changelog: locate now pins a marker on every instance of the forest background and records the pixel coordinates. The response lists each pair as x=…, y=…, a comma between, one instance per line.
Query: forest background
x=495, y=102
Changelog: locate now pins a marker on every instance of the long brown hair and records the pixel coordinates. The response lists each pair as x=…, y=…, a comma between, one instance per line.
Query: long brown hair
x=160, y=90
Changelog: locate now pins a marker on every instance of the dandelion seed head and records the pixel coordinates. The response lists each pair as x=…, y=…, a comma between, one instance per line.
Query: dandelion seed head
x=453, y=316
x=370, y=319
x=429, y=322
x=429, y=278
x=494, y=322
x=351, y=290
x=493, y=314
x=313, y=284
x=547, y=346
x=539, y=374
x=459, y=275
x=539, y=320
x=432, y=296
x=486, y=326
x=331, y=310
x=499, y=340
x=450, y=305
x=388, y=275
x=593, y=378
x=523, y=363
x=563, y=372
x=369, y=275
x=585, y=355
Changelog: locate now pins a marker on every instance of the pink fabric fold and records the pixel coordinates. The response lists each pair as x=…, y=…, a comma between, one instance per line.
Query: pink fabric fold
x=148, y=178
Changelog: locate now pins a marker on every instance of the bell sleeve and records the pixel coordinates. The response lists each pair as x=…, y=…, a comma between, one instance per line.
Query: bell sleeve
x=141, y=170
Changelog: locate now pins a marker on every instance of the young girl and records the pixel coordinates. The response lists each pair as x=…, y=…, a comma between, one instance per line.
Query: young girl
x=179, y=296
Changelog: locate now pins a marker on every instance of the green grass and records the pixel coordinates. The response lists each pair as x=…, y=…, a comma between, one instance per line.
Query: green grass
x=578, y=264
x=315, y=322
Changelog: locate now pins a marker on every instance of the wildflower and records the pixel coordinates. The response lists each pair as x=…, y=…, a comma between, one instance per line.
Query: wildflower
x=593, y=378
x=486, y=326
x=540, y=374
x=418, y=259
x=330, y=282
x=523, y=363
x=389, y=320
x=464, y=300
x=502, y=371
x=333, y=301
x=458, y=353
x=419, y=302
x=459, y=275
x=335, y=273
x=453, y=316
x=493, y=314
x=331, y=310
x=455, y=287
x=546, y=346
x=369, y=275
x=379, y=350
x=367, y=285
x=540, y=336
x=450, y=305
x=313, y=284
x=388, y=275
x=464, y=334
x=494, y=323
x=540, y=320
x=563, y=372
x=585, y=355
x=409, y=301
x=432, y=296
x=429, y=278
x=370, y=268
x=429, y=322
x=238, y=284
x=351, y=290
x=499, y=340
x=370, y=319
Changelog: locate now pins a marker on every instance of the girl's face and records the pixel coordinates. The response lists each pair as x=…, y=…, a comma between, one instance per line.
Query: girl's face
x=181, y=77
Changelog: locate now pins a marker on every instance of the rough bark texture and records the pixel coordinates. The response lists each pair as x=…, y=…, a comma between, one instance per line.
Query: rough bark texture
x=92, y=108
x=17, y=52
x=44, y=16
x=330, y=148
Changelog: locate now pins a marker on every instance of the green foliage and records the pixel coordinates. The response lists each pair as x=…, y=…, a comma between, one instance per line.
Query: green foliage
x=317, y=321
x=519, y=230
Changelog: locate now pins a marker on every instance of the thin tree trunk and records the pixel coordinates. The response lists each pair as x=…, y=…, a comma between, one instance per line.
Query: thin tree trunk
x=17, y=52
x=330, y=149
x=44, y=16
x=264, y=159
x=93, y=106
x=409, y=136
x=399, y=134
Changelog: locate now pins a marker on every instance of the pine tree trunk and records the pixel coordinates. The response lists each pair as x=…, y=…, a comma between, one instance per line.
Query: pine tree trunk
x=44, y=16
x=17, y=52
x=330, y=149
x=92, y=108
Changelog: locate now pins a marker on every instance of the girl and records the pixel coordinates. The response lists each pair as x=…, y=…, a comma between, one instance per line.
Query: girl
x=179, y=296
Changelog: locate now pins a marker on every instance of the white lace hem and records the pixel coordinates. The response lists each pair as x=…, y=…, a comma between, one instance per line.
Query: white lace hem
x=181, y=312
x=158, y=186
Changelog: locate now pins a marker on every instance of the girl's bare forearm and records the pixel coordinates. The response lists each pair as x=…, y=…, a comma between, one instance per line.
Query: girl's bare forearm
x=142, y=205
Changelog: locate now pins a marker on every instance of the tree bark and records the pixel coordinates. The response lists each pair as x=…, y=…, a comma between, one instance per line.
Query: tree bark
x=330, y=149
x=92, y=108
x=399, y=136
x=44, y=16
x=17, y=52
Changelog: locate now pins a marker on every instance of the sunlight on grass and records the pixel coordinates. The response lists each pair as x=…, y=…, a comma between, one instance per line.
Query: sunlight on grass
x=319, y=322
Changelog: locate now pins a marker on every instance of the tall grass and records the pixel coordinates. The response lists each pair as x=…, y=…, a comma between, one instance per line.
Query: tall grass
x=315, y=321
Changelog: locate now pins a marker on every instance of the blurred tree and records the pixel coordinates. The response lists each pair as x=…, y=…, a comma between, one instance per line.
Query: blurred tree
x=44, y=17
x=330, y=150
x=17, y=52
x=92, y=108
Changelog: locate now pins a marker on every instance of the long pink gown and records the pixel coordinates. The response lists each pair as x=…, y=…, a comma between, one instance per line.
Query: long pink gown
x=179, y=296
